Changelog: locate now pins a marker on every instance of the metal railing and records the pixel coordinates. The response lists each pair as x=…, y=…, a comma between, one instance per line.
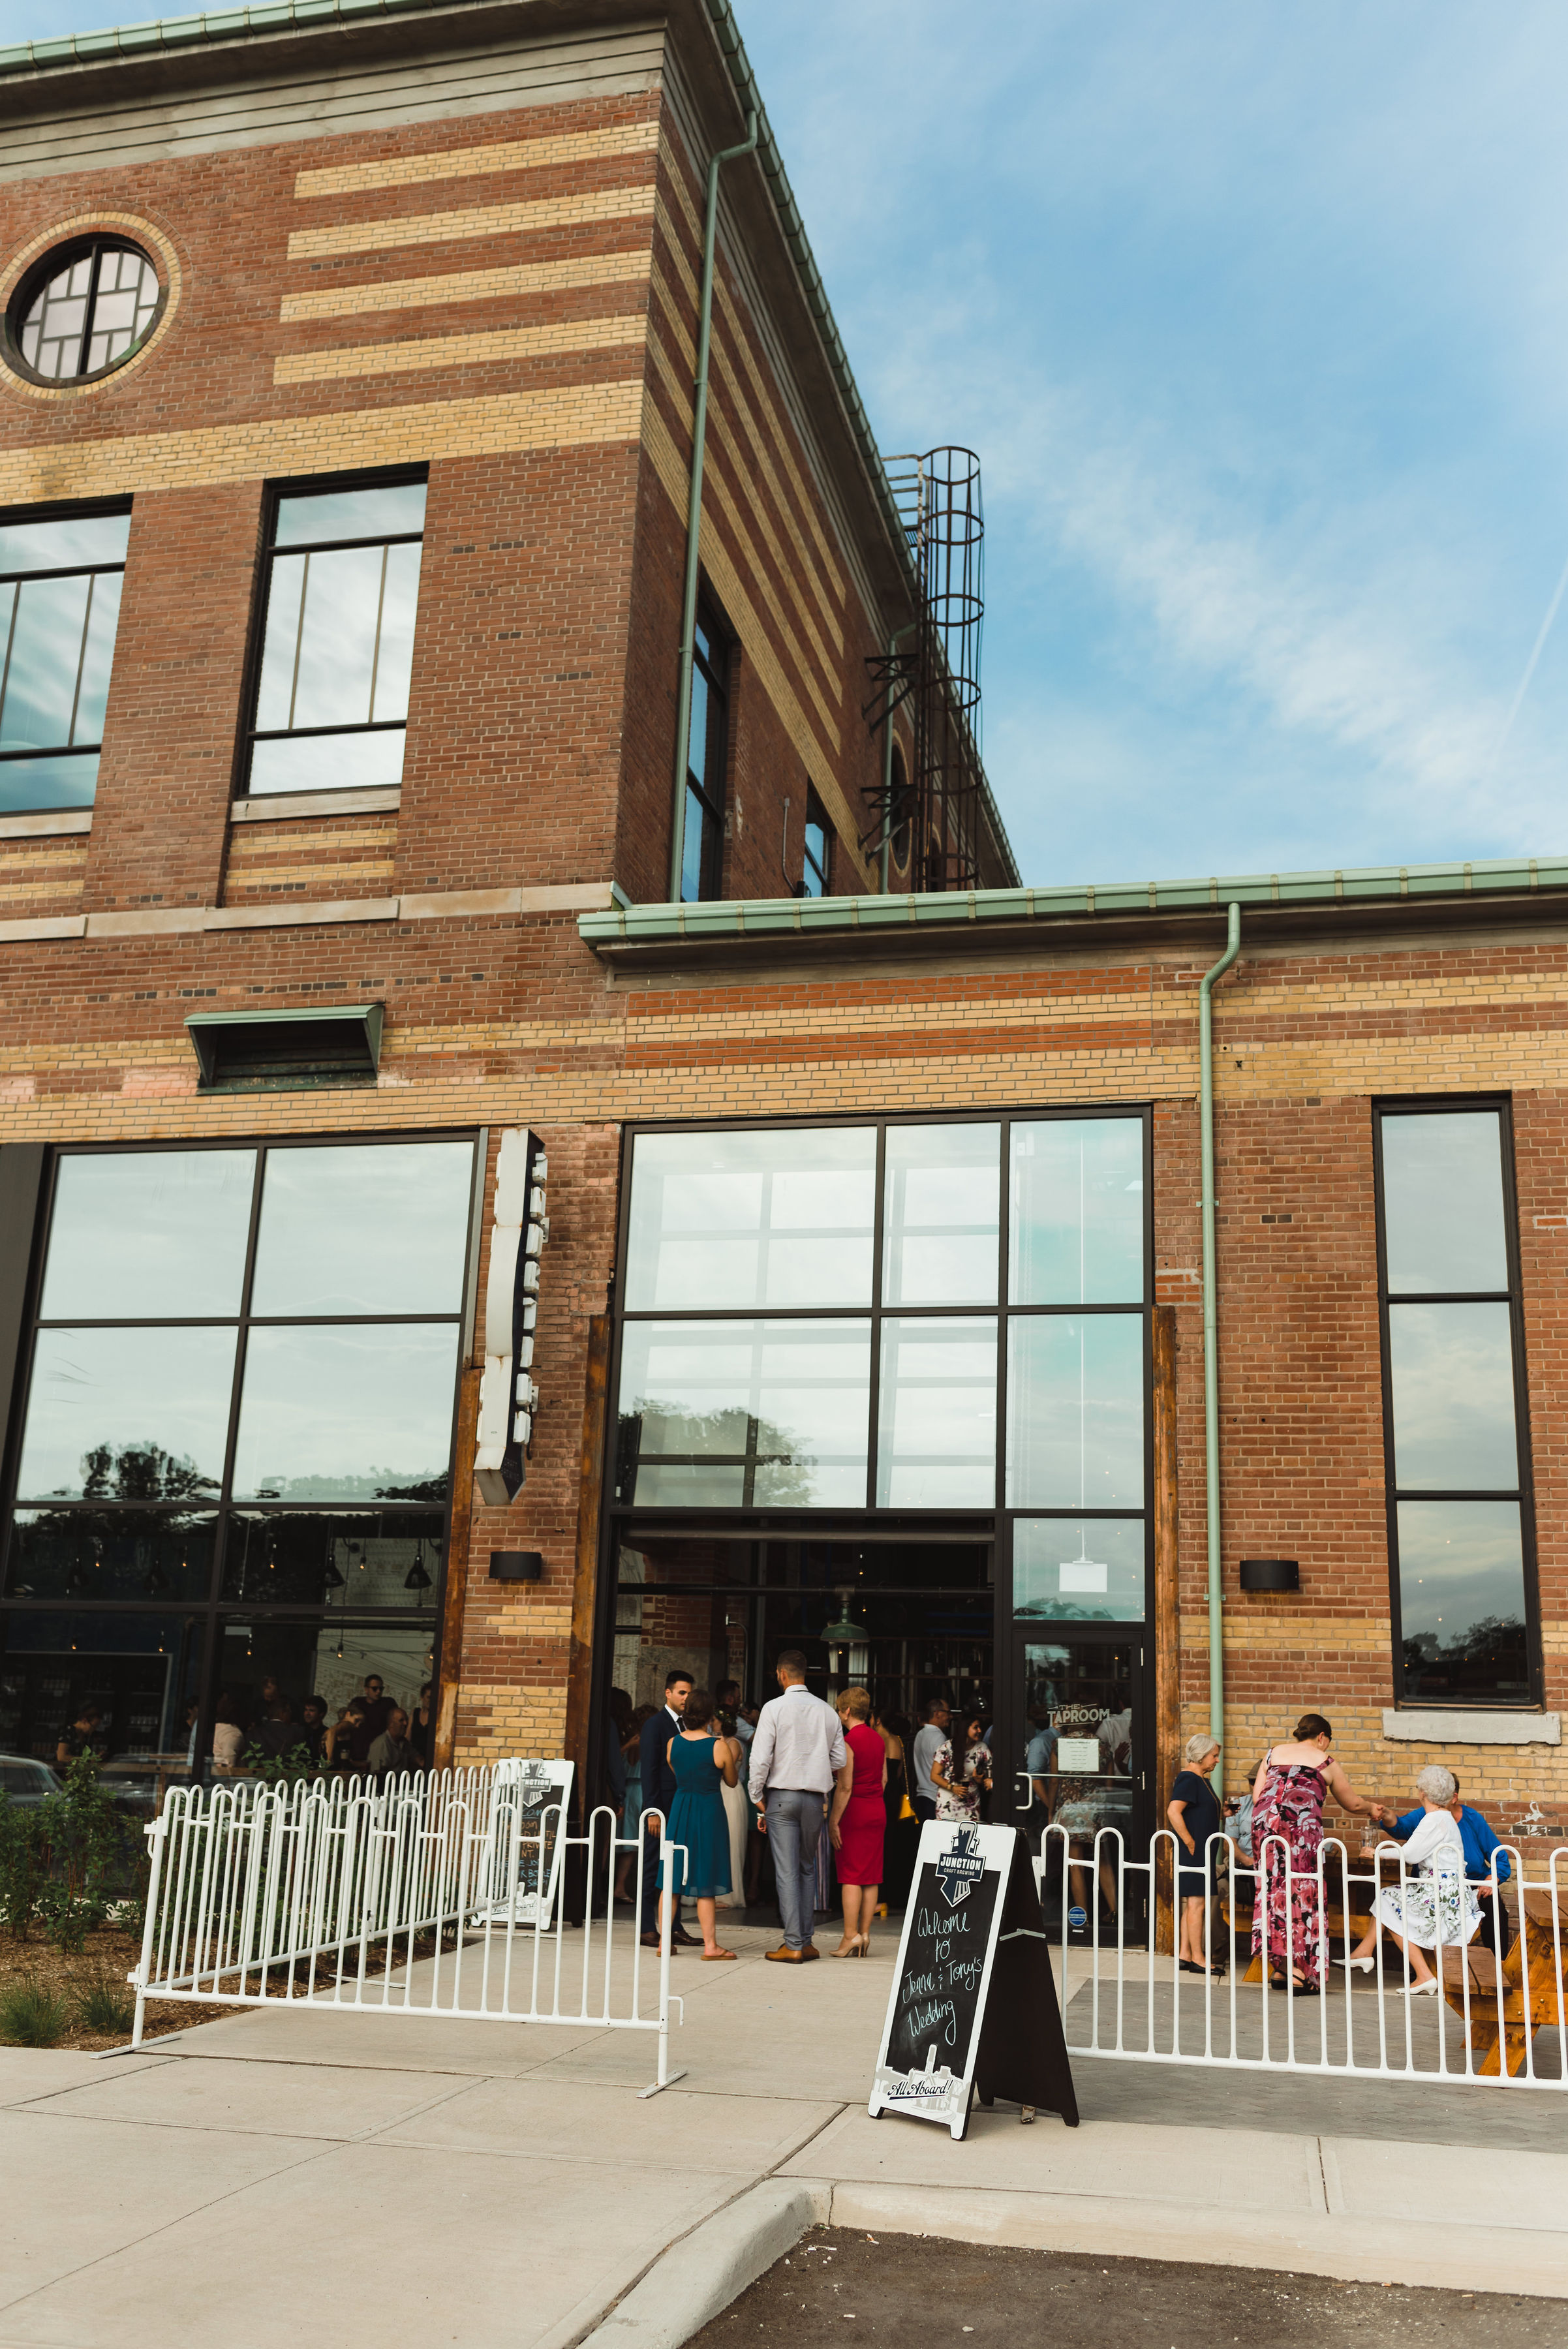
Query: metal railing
x=433, y=1894
x=1498, y=2022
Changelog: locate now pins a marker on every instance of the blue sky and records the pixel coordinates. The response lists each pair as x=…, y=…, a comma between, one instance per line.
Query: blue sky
x=1257, y=317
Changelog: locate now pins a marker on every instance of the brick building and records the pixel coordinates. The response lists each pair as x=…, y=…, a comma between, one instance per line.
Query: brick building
x=350, y=865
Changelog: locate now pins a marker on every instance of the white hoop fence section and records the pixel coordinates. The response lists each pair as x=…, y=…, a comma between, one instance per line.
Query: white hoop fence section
x=435, y=1894
x=1498, y=2020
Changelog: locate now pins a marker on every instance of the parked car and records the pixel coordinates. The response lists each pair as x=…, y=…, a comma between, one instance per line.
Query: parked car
x=26, y=1782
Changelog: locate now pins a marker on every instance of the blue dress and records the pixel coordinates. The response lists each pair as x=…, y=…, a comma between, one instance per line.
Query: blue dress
x=698, y=1819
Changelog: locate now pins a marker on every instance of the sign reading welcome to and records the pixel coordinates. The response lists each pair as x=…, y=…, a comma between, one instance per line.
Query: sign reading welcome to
x=974, y=2008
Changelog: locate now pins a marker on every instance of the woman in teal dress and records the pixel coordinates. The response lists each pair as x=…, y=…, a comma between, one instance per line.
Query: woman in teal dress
x=705, y=1762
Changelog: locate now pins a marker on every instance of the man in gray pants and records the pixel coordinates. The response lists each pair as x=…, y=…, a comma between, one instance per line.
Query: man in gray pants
x=797, y=1757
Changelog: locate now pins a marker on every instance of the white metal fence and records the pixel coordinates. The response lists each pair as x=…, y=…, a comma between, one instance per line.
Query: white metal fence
x=1498, y=2021
x=435, y=1894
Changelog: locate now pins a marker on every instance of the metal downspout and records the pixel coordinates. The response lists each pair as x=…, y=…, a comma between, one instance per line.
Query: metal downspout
x=1211, y=1336
x=893, y=641
x=694, y=505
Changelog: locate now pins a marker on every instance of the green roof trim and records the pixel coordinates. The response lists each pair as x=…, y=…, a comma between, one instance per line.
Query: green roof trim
x=765, y=918
x=189, y=32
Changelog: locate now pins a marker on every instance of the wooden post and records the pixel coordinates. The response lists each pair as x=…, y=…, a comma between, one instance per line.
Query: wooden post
x=454, y=1591
x=585, y=1580
x=1166, y=1619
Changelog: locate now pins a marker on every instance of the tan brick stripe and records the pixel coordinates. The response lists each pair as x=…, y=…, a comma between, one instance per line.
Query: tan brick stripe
x=472, y=162
x=716, y=494
x=737, y=339
x=757, y=458
x=564, y=417
x=481, y=220
x=628, y=268
x=270, y=877
x=459, y=350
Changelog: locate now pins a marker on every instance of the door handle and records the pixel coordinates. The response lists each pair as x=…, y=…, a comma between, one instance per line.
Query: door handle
x=1021, y=1778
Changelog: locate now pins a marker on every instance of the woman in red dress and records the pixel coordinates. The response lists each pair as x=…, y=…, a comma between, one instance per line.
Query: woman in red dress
x=857, y=1822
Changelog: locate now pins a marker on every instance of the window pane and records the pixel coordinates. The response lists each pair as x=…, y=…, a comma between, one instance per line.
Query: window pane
x=732, y=1414
x=350, y=1413
x=1075, y=1412
x=331, y=1661
x=274, y=696
x=692, y=840
x=759, y=1218
x=337, y=638
x=944, y=1188
x=87, y=1554
x=1442, y=1202
x=1076, y=1570
x=1461, y=1601
x=97, y=656
x=697, y=750
x=32, y=783
x=937, y=1438
x=384, y=513
x=328, y=762
x=382, y=1230
x=1452, y=1375
x=357, y=1559
x=46, y=653
x=154, y=1233
x=395, y=653
x=1076, y=1233
x=140, y=1670
x=70, y=539
x=127, y=1414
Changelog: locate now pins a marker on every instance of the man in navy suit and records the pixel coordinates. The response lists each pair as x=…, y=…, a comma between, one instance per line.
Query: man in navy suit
x=657, y=1794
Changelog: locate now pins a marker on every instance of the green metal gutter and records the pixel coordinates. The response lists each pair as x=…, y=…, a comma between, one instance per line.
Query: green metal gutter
x=761, y=918
x=1212, y=1335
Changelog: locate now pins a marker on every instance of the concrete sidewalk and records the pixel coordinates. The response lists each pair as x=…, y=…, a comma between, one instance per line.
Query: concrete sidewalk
x=500, y=2183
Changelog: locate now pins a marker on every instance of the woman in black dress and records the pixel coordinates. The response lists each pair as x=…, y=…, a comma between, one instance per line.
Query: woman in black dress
x=1194, y=1812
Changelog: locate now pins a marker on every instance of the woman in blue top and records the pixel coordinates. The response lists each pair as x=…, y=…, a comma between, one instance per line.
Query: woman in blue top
x=705, y=1762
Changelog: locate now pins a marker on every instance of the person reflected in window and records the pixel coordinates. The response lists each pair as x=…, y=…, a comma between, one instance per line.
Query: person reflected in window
x=85, y=1735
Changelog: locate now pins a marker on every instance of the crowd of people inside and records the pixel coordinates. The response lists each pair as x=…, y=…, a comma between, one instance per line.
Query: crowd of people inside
x=374, y=1738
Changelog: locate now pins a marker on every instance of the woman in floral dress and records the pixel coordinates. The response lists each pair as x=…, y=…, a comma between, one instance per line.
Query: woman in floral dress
x=960, y=1773
x=1288, y=1795
x=1434, y=1906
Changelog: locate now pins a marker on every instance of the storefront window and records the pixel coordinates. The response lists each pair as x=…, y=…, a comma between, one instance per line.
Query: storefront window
x=1460, y=1521
x=944, y=1198
x=746, y=1219
x=198, y=1431
x=745, y=1414
x=1076, y=1411
x=1078, y=1569
x=937, y=1438
x=1076, y=1210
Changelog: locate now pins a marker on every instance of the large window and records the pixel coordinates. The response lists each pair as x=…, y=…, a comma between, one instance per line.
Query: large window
x=702, y=840
x=921, y=1316
x=240, y=1402
x=337, y=638
x=1459, y=1514
x=82, y=310
x=60, y=577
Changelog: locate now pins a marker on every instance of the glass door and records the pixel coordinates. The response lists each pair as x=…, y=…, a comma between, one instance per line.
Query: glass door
x=1080, y=1765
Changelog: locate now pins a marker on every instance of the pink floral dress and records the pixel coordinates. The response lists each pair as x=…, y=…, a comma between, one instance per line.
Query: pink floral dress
x=1290, y=1809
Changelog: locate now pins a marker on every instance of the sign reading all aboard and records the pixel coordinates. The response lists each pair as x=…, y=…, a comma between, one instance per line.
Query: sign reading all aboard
x=973, y=2009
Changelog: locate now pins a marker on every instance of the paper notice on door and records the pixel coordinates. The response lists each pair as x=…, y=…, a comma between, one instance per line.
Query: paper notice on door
x=1078, y=1754
x=1084, y=1574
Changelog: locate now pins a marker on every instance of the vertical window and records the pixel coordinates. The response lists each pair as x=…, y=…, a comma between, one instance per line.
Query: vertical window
x=338, y=638
x=702, y=843
x=818, y=849
x=60, y=607
x=1459, y=1515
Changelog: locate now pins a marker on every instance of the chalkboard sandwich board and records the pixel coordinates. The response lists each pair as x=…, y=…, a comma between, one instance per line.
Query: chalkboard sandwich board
x=522, y=1870
x=973, y=2010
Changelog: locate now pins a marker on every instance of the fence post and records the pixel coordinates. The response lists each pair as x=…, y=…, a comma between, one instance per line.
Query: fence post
x=156, y=1833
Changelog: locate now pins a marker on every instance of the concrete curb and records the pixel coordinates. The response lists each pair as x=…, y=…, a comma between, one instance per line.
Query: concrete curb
x=697, y=2278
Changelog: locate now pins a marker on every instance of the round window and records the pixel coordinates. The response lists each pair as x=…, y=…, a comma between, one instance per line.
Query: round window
x=83, y=310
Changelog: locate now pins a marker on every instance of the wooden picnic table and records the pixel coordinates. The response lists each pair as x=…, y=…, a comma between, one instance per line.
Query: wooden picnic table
x=1529, y=1992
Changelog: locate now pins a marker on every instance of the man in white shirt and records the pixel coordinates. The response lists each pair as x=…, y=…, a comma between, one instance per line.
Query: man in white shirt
x=796, y=1758
x=928, y=1743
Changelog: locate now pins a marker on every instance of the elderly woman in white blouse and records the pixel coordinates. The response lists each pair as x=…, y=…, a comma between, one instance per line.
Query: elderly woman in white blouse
x=1435, y=1899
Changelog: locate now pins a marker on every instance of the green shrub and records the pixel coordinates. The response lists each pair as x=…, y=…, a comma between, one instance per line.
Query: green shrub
x=24, y=1865
x=106, y=2006
x=67, y=1861
x=32, y=2016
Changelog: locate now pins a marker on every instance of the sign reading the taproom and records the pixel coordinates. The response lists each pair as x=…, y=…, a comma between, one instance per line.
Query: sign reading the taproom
x=973, y=2009
x=530, y=1816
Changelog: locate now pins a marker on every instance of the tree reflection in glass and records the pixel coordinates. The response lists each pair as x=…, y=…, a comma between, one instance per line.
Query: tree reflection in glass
x=716, y=1413
x=149, y=1405
x=1461, y=1601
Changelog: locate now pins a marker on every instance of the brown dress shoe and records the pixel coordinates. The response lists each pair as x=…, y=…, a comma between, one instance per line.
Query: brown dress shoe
x=809, y=1951
x=784, y=1956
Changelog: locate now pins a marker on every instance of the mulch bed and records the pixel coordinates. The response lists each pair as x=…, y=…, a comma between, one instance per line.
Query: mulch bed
x=109, y=1956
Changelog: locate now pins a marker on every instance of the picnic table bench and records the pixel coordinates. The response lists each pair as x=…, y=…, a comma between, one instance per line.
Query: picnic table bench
x=1527, y=1993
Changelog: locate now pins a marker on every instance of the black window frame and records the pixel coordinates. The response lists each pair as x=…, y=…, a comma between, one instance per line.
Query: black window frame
x=215, y=1608
x=1459, y=1105
x=50, y=265
x=710, y=790
x=381, y=477
x=73, y=510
